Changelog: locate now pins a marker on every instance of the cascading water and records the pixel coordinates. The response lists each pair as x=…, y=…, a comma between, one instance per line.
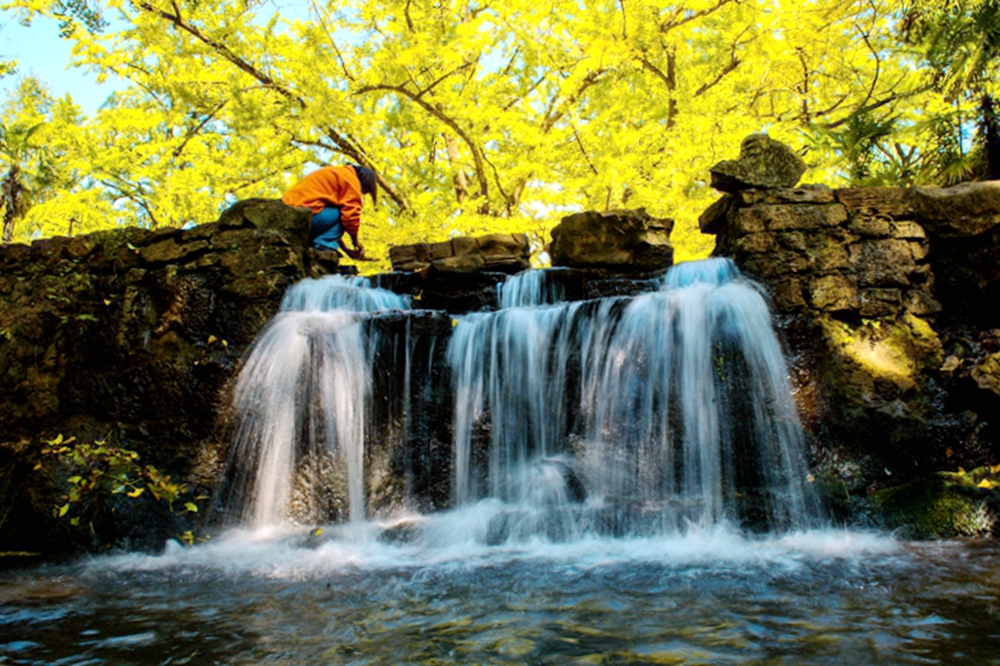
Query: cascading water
x=617, y=416
x=667, y=410
x=300, y=406
x=689, y=409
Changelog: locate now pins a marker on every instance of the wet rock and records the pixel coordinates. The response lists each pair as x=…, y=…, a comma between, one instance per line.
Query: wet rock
x=942, y=506
x=763, y=164
x=131, y=336
x=986, y=373
x=628, y=241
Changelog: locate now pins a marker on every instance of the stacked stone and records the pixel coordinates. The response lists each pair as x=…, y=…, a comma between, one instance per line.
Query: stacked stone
x=626, y=241
x=856, y=251
x=505, y=253
x=120, y=317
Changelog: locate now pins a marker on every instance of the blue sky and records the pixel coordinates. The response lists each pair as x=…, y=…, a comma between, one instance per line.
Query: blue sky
x=40, y=51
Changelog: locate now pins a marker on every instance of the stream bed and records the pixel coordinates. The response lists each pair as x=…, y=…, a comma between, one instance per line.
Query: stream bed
x=713, y=597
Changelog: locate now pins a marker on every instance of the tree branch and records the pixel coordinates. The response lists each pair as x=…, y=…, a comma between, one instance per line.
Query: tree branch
x=672, y=22
x=194, y=130
x=453, y=125
x=178, y=21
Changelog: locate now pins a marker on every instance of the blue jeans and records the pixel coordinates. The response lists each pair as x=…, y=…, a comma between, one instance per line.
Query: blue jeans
x=327, y=229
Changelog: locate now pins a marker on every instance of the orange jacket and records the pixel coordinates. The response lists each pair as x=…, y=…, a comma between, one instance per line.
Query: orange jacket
x=330, y=186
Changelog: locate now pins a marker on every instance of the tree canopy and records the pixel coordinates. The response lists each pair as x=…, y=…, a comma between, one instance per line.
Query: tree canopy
x=486, y=116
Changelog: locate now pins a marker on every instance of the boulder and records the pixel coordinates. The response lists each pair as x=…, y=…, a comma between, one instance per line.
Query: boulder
x=763, y=164
x=268, y=214
x=969, y=209
x=630, y=241
x=505, y=253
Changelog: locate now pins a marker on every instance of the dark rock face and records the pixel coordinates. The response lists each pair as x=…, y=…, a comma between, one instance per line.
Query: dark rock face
x=963, y=223
x=763, y=163
x=132, y=336
x=625, y=241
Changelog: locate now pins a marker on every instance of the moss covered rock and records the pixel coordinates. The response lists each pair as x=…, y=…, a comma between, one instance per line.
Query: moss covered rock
x=945, y=505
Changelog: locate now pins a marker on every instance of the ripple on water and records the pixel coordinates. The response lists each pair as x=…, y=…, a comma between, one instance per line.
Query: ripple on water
x=824, y=597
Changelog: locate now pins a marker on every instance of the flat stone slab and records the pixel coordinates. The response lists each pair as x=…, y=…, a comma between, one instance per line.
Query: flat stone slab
x=506, y=253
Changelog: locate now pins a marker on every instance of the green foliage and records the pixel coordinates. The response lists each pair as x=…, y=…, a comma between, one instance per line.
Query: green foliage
x=483, y=118
x=90, y=474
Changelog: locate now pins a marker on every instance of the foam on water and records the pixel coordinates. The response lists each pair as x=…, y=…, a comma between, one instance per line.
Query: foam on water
x=294, y=555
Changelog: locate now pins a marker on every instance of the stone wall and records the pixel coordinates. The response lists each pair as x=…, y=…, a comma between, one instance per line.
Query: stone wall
x=131, y=337
x=887, y=300
x=853, y=252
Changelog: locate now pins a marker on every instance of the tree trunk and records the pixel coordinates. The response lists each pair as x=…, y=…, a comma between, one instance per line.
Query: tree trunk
x=991, y=136
x=10, y=191
x=460, y=179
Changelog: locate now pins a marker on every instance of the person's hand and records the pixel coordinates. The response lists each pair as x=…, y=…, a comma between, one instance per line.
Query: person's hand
x=356, y=253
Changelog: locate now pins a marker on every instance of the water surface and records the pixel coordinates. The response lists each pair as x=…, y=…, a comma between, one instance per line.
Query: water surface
x=823, y=597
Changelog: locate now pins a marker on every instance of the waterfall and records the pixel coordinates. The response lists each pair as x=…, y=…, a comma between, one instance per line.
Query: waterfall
x=671, y=409
x=300, y=403
x=641, y=415
x=690, y=410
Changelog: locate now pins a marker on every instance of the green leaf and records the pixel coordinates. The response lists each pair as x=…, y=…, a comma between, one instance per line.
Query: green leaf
x=63, y=510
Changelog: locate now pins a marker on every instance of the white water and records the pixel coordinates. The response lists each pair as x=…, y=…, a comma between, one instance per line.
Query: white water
x=668, y=408
x=652, y=415
x=300, y=404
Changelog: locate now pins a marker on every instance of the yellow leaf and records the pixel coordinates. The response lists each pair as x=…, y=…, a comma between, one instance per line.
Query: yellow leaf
x=63, y=510
x=212, y=339
x=136, y=492
x=985, y=483
x=995, y=469
x=190, y=506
